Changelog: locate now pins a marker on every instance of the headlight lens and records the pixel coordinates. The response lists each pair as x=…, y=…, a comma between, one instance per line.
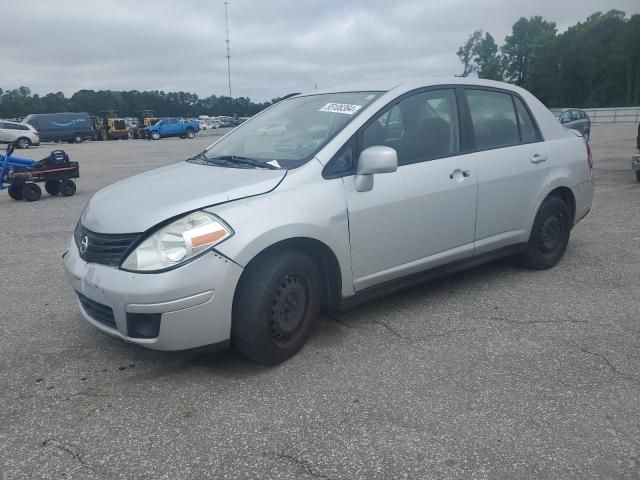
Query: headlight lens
x=177, y=242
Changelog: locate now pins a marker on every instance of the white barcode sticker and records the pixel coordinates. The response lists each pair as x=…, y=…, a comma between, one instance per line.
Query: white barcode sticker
x=345, y=108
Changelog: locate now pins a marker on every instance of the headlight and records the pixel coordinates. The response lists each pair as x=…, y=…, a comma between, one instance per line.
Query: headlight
x=177, y=242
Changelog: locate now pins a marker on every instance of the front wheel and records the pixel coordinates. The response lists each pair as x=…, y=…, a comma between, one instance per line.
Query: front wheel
x=276, y=303
x=31, y=192
x=77, y=139
x=15, y=192
x=549, y=235
x=23, y=143
x=155, y=135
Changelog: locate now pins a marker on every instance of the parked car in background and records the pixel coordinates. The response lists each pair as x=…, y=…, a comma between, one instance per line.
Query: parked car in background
x=249, y=239
x=20, y=134
x=575, y=119
x=64, y=127
x=172, y=127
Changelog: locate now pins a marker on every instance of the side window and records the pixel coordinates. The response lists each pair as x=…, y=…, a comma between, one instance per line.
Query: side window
x=174, y=121
x=493, y=118
x=421, y=127
x=528, y=132
x=344, y=161
x=575, y=115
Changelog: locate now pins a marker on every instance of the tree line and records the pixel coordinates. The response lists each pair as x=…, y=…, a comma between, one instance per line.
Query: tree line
x=595, y=63
x=20, y=102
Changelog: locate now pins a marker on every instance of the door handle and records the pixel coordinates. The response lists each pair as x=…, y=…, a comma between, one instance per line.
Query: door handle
x=537, y=158
x=459, y=175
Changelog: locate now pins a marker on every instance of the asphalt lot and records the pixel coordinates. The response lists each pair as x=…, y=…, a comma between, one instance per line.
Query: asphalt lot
x=495, y=373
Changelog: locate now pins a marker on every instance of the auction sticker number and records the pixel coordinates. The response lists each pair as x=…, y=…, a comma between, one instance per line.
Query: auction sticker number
x=345, y=108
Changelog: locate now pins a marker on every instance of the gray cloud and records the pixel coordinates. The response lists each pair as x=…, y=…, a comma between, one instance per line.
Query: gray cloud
x=277, y=46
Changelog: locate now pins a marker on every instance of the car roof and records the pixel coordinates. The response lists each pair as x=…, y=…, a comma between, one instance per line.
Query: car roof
x=412, y=84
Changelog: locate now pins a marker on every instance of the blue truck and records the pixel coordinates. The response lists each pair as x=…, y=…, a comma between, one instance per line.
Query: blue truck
x=172, y=127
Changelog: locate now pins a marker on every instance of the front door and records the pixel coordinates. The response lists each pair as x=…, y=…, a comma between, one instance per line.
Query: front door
x=422, y=215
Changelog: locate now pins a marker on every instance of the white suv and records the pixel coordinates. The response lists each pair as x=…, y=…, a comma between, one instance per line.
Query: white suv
x=21, y=134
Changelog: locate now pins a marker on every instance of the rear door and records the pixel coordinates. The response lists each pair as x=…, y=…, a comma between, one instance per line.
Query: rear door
x=511, y=165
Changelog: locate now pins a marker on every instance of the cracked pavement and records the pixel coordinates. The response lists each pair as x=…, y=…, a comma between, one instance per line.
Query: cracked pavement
x=493, y=373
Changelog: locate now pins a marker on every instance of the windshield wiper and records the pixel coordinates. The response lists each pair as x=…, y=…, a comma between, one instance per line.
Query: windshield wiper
x=242, y=161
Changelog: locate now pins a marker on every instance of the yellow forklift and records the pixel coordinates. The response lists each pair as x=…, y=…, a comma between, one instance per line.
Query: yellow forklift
x=145, y=119
x=111, y=126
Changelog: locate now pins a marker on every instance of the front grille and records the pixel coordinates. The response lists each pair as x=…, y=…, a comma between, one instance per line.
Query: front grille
x=103, y=248
x=100, y=313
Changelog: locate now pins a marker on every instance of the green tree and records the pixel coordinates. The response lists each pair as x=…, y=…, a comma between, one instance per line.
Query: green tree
x=525, y=48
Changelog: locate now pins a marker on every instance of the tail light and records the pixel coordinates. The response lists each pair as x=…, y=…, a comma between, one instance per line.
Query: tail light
x=589, y=157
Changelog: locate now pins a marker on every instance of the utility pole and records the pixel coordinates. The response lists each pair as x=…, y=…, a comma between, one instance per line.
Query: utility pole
x=226, y=19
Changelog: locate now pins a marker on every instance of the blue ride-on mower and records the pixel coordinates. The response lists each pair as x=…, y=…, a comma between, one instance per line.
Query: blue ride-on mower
x=20, y=176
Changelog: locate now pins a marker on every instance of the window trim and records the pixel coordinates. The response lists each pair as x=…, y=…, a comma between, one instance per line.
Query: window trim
x=462, y=130
x=467, y=134
x=539, y=137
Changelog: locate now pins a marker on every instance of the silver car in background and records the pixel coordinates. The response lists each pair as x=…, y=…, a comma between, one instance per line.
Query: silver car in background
x=21, y=135
x=353, y=193
x=575, y=119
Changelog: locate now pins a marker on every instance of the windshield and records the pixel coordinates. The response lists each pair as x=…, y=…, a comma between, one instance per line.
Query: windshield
x=292, y=131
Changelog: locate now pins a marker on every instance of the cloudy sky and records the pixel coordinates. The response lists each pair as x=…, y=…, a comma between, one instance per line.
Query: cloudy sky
x=277, y=46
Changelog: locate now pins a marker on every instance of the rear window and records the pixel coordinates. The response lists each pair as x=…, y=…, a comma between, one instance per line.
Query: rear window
x=493, y=118
x=528, y=131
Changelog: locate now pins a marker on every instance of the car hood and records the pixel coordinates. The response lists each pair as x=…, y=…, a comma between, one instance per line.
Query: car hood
x=138, y=203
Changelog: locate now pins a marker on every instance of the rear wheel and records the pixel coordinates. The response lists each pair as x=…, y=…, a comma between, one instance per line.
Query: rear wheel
x=549, y=235
x=190, y=133
x=77, y=138
x=67, y=187
x=15, y=192
x=52, y=187
x=31, y=192
x=276, y=303
x=23, y=142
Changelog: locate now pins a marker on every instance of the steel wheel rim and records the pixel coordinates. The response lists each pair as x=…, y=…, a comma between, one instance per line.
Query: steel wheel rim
x=289, y=309
x=551, y=231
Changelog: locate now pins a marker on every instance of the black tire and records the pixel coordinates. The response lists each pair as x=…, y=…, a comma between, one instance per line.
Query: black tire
x=77, y=138
x=276, y=303
x=549, y=235
x=15, y=192
x=23, y=142
x=638, y=175
x=155, y=135
x=189, y=133
x=67, y=187
x=31, y=192
x=52, y=187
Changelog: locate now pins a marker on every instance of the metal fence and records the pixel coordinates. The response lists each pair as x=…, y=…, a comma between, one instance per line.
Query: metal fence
x=614, y=115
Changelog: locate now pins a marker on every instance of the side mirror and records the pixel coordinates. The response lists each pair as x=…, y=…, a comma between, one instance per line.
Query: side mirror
x=374, y=160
